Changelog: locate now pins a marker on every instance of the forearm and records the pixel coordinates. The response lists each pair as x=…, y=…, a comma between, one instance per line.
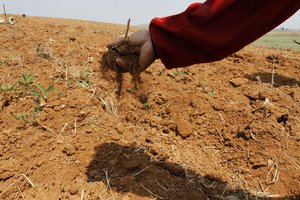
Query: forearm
x=215, y=29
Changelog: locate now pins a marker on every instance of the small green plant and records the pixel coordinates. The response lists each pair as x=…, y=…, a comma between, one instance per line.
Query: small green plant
x=203, y=86
x=85, y=77
x=25, y=86
x=7, y=87
x=205, y=89
x=146, y=105
x=25, y=117
x=179, y=72
x=3, y=61
x=42, y=92
x=85, y=83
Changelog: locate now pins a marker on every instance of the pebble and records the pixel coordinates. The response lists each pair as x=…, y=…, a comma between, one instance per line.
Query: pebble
x=184, y=128
x=73, y=191
x=69, y=150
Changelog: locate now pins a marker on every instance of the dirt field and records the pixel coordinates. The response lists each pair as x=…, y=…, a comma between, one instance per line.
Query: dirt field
x=225, y=130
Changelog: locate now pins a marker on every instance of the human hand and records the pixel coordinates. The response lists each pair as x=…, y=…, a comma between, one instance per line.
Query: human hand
x=141, y=39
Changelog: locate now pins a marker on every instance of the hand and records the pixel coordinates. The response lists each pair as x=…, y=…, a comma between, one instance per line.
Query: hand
x=140, y=39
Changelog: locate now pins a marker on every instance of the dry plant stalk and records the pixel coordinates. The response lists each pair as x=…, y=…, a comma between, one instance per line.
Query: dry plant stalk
x=109, y=105
x=159, y=197
x=129, y=54
x=296, y=42
x=43, y=52
x=22, y=176
x=4, y=10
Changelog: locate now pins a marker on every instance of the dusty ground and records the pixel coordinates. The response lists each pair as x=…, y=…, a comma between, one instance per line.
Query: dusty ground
x=210, y=131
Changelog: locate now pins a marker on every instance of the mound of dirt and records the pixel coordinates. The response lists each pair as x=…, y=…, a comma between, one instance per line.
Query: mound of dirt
x=223, y=130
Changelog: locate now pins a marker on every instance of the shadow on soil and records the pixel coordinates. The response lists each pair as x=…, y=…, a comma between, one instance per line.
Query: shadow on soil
x=130, y=169
x=279, y=80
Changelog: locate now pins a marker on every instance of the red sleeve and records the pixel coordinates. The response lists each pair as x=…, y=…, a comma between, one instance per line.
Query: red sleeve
x=215, y=29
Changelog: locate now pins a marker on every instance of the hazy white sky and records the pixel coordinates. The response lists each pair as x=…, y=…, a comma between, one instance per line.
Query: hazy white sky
x=114, y=11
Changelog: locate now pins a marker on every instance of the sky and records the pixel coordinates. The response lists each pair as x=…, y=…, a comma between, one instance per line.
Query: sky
x=112, y=11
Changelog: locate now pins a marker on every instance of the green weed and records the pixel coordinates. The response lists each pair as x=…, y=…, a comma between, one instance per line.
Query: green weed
x=205, y=89
x=42, y=92
x=179, y=72
x=146, y=105
x=85, y=78
x=24, y=86
x=7, y=87
x=25, y=117
x=3, y=61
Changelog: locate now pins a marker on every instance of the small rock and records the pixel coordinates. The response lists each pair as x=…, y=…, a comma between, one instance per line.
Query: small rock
x=237, y=82
x=270, y=163
x=80, y=147
x=81, y=116
x=257, y=162
x=59, y=141
x=155, y=149
x=6, y=175
x=88, y=131
x=184, y=128
x=57, y=108
x=69, y=150
x=42, y=102
x=39, y=163
x=73, y=191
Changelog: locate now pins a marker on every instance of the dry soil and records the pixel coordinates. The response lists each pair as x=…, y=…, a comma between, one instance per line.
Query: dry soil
x=223, y=130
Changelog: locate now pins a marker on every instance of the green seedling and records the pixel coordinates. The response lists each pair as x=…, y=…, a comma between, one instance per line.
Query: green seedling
x=179, y=72
x=146, y=105
x=7, y=87
x=205, y=89
x=84, y=81
x=28, y=118
x=25, y=83
x=42, y=92
x=3, y=62
x=25, y=117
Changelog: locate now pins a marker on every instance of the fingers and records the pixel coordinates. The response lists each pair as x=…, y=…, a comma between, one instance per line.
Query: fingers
x=147, y=56
x=141, y=39
x=138, y=38
x=115, y=41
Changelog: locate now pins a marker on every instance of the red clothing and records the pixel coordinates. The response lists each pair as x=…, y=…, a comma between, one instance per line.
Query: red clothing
x=215, y=29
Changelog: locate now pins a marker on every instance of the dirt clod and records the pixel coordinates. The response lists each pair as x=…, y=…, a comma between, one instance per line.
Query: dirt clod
x=184, y=128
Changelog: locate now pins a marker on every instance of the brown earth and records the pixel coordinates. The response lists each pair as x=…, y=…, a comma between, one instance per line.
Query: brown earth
x=209, y=131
